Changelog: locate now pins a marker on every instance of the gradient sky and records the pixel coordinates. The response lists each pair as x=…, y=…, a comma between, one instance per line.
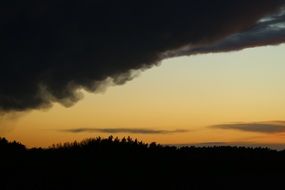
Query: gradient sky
x=193, y=93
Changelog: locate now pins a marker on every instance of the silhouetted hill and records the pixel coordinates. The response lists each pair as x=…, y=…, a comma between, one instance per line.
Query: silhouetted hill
x=112, y=163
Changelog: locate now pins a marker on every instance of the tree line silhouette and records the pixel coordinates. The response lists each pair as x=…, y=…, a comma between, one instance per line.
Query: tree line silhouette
x=113, y=163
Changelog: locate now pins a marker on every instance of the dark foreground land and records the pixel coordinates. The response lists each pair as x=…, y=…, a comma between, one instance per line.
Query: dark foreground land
x=128, y=164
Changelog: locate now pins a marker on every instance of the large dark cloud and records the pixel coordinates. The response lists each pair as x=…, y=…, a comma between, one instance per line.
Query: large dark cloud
x=124, y=130
x=49, y=49
x=259, y=127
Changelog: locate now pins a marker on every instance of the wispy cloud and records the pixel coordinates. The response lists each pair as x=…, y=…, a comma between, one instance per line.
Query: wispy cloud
x=124, y=130
x=260, y=127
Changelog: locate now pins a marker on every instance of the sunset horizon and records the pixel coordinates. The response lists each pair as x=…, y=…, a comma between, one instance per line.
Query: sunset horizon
x=141, y=95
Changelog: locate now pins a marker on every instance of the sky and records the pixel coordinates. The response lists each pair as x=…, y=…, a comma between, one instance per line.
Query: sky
x=180, y=101
x=189, y=72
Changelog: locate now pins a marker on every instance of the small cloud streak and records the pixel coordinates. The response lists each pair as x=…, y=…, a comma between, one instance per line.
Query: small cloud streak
x=124, y=130
x=268, y=127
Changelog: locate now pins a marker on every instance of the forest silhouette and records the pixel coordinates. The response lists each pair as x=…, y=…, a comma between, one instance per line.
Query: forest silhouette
x=113, y=163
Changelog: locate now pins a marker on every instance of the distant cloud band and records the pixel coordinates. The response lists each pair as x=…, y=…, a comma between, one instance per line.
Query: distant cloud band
x=123, y=130
x=260, y=127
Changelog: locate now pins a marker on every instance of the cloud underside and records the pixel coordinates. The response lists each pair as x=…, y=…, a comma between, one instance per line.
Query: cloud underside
x=267, y=31
x=123, y=130
x=50, y=49
x=270, y=127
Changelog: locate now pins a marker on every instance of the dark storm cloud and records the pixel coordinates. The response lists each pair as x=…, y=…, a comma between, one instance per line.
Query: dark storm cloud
x=50, y=49
x=124, y=130
x=260, y=127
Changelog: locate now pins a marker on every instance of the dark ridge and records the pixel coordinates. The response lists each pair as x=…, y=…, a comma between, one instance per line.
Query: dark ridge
x=114, y=163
